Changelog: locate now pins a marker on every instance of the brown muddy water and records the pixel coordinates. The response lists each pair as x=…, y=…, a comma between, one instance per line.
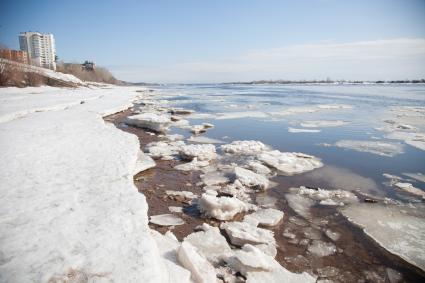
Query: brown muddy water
x=358, y=258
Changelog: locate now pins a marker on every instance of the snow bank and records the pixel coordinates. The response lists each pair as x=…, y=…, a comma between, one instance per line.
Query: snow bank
x=69, y=204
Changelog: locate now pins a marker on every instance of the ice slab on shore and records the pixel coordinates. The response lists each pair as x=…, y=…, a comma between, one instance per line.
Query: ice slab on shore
x=166, y=220
x=201, y=269
x=210, y=243
x=259, y=267
x=143, y=162
x=266, y=217
x=389, y=149
x=151, y=121
x=203, y=152
x=290, y=163
x=251, y=179
x=398, y=229
x=68, y=198
x=221, y=208
x=241, y=233
x=244, y=147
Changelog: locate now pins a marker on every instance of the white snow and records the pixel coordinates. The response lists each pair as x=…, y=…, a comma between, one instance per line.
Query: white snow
x=221, y=208
x=389, y=149
x=166, y=220
x=251, y=179
x=143, y=162
x=290, y=163
x=244, y=147
x=151, y=121
x=68, y=198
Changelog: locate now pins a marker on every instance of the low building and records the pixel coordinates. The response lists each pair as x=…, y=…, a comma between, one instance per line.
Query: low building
x=14, y=55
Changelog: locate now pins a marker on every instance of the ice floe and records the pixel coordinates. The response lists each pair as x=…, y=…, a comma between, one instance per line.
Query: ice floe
x=203, y=139
x=200, y=151
x=257, y=267
x=407, y=187
x=166, y=220
x=290, y=163
x=221, y=208
x=389, y=149
x=201, y=269
x=241, y=233
x=266, y=217
x=244, y=147
x=210, y=243
x=417, y=176
x=151, y=121
x=320, y=248
x=295, y=130
x=164, y=150
x=322, y=123
x=398, y=229
x=182, y=196
x=251, y=179
x=192, y=165
x=258, y=168
x=143, y=162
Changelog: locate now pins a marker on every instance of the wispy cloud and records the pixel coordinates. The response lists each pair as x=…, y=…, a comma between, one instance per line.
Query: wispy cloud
x=365, y=60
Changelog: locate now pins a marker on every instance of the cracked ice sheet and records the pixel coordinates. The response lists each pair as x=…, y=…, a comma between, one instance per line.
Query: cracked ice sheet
x=400, y=230
x=68, y=198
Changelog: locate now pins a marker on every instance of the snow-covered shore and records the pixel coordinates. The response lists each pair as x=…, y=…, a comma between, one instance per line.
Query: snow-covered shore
x=68, y=205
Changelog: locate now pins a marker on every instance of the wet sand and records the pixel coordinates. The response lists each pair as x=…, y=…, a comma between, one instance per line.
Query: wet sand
x=358, y=258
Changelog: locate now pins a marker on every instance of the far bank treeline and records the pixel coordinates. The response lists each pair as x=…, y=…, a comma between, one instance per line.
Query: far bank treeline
x=329, y=81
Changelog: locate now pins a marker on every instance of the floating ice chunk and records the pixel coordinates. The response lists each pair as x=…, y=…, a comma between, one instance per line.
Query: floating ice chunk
x=201, y=151
x=163, y=150
x=214, y=178
x=327, y=195
x=221, y=208
x=239, y=115
x=166, y=220
x=192, y=165
x=174, y=137
x=202, y=139
x=389, y=149
x=202, y=271
x=241, y=233
x=334, y=236
x=322, y=123
x=151, y=121
x=251, y=179
x=407, y=187
x=334, y=106
x=210, y=243
x=328, y=271
x=244, y=147
x=312, y=233
x=321, y=249
x=295, y=130
x=414, y=139
x=177, y=209
x=266, y=217
x=143, y=162
x=181, y=111
x=182, y=196
x=197, y=129
x=290, y=163
x=400, y=230
x=301, y=205
x=259, y=267
x=259, y=168
x=417, y=176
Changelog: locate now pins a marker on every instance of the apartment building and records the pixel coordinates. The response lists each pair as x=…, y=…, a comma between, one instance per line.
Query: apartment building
x=40, y=48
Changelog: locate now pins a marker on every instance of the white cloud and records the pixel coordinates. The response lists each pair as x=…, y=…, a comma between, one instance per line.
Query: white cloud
x=364, y=60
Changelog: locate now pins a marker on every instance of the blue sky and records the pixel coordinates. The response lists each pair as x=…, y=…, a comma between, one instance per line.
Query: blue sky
x=214, y=41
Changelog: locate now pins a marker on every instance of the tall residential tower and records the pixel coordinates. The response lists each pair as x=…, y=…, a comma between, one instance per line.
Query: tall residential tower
x=40, y=48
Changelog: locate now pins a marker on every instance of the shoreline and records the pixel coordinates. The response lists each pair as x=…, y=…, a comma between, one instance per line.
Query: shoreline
x=148, y=183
